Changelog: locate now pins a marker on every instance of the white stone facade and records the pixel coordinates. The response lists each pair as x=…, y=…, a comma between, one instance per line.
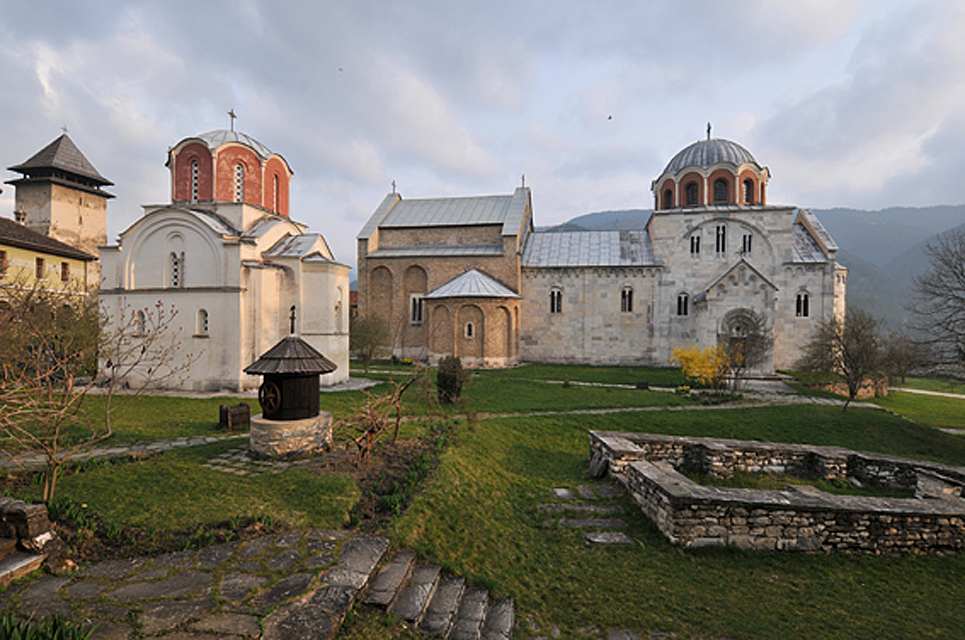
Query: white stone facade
x=233, y=271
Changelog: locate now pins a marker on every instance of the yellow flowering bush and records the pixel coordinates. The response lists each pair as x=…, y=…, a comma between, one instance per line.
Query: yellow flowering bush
x=708, y=365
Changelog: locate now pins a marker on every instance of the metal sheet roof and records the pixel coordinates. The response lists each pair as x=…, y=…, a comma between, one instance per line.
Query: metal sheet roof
x=588, y=249
x=15, y=234
x=294, y=246
x=218, y=137
x=473, y=284
x=806, y=248
x=810, y=220
x=707, y=153
x=395, y=212
x=428, y=252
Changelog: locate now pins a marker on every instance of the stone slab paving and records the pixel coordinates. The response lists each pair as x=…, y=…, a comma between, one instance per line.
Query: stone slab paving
x=227, y=591
x=416, y=593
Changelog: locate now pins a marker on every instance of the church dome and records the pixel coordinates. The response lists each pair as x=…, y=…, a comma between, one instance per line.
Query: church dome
x=711, y=172
x=218, y=137
x=707, y=153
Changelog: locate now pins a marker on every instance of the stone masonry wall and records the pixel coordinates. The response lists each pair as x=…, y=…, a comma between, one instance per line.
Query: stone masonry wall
x=800, y=518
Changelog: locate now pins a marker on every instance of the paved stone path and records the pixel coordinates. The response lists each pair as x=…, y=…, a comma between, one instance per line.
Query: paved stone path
x=289, y=585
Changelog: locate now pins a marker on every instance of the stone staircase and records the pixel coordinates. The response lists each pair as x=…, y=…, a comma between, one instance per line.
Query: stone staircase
x=15, y=563
x=437, y=604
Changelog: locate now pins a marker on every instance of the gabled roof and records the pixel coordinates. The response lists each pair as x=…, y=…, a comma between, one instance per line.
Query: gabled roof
x=588, y=249
x=291, y=356
x=15, y=234
x=810, y=221
x=472, y=284
x=505, y=210
x=61, y=154
x=700, y=297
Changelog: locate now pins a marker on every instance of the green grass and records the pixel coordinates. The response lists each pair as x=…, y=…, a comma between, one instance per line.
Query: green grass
x=937, y=411
x=945, y=385
x=479, y=517
x=173, y=491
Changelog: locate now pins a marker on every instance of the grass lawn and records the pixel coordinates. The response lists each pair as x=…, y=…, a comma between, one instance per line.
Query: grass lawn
x=937, y=411
x=173, y=491
x=479, y=517
x=945, y=385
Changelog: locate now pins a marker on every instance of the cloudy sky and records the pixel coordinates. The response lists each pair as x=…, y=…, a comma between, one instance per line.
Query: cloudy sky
x=850, y=103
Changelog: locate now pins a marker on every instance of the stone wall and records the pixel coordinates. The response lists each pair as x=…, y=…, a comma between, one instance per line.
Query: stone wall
x=799, y=518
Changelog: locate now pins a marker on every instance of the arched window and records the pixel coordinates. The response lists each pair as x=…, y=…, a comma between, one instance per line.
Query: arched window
x=194, y=181
x=470, y=330
x=416, y=306
x=802, y=307
x=695, y=244
x=668, y=199
x=239, y=182
x=683, y=304
x=720, y=191
x=691, y=193
x=177, y=270
x=626, y=300
x=721, y=239
x=202, y=328
x=140, y=323
x=748, y=191
x=274, y=194
x=556, y=301
x=746, y=242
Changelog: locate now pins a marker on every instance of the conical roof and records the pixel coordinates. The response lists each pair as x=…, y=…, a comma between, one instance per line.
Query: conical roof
x=291, y=356
x=64, y=155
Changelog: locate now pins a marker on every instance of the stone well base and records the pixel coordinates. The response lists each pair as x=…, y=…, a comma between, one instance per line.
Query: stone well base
x=291, y=438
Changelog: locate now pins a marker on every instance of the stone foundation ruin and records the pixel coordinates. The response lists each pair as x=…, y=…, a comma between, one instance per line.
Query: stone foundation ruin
x=800, y=518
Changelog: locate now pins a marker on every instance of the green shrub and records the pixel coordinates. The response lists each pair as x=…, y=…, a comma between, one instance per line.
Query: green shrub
x=450, y=379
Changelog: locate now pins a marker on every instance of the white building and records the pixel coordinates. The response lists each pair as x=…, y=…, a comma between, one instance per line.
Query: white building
x=227, y=256
x=713, y=261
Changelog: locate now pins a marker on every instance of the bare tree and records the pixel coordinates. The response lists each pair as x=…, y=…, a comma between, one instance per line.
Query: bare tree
x=901, y=354
x=939, y=302
x=49, y=346
x=849, y=349
x=367, y=337
x=747, y=350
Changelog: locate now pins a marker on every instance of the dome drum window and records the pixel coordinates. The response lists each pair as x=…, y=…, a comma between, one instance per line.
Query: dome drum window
x=691, y=193
x=720, y=191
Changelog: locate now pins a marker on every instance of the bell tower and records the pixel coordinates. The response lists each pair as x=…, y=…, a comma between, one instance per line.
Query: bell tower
x=60, y=195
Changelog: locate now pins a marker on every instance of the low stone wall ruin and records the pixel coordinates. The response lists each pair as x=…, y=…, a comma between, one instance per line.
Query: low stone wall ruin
x=931, y=518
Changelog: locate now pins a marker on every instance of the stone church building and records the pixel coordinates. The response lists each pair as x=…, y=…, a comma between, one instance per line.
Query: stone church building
x=472, y=277
x=226, y=254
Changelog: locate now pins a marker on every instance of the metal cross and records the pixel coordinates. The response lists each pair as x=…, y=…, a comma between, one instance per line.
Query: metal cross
x=708, y=131
x=231, y=114
x=292, y=319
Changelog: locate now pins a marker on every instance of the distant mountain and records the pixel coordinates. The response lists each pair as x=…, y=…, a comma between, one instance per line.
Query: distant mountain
x=883, y=250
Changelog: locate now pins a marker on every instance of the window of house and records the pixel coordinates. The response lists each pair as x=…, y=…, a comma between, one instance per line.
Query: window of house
x=416, y=307
x=721, y=244
x=64, y=272
x=683, y=303
x=556, y=301
x=695, y=245
x=194, y=181
x=748, y=191
x=39, y=268
x=3, y=263
x=626, y=300
x=470, y=330
x=202, y=328
x=691, y=193
x=720, y=191
x=668, y=199
x=177, y=270
x=801, y=308
x=746, y=243
x=239, y=182
x=140, y=323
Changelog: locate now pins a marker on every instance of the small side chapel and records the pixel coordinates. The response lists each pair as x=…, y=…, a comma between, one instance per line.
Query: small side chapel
x=227, y=255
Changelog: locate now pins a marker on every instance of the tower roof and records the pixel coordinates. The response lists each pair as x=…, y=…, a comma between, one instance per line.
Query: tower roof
x=706, y=153
x=291, y=356
x=61, y=155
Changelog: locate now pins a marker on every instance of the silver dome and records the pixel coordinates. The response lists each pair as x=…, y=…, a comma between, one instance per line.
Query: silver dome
x=706, y=153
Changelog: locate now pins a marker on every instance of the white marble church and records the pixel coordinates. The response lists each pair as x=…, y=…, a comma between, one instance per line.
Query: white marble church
x=472, y=277
x=228, y=257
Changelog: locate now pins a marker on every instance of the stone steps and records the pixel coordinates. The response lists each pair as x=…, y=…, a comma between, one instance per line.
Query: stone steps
x=17, y=565
x=438, y=604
